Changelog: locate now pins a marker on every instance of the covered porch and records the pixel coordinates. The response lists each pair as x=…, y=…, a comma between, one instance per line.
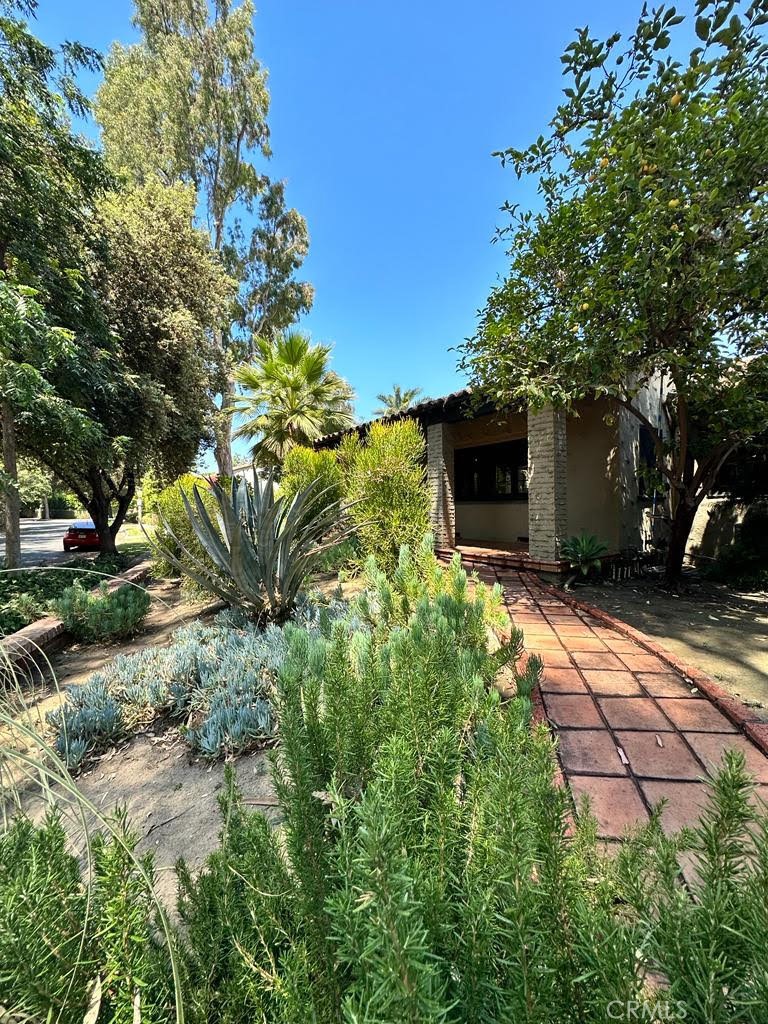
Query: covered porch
x=508, y=490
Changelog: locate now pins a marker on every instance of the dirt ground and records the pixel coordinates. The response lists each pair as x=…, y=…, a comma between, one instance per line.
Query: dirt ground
x=171, y=798
x=720, y=631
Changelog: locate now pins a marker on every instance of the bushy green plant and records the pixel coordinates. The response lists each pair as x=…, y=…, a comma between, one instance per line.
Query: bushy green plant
x=104, y=614
x=744, y=564
x=583, y=553
x=385, y=476
x=70, y=941
x=174, y=533
x=303, y=466
x=265, y=547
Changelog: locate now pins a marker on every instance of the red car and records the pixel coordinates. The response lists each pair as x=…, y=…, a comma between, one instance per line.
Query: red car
x=81, y=534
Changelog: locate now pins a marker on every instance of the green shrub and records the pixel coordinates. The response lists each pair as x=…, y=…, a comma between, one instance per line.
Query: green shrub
x=385, y=475
x=744, y=564
x=61, y=932
x=174, y=533
x=103, y=614
x=303, y=466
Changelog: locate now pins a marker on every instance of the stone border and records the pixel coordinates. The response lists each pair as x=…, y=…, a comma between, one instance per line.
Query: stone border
x=31, y=645
x=743, y=717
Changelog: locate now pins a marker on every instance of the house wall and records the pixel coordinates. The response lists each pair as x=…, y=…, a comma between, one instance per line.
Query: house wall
x=639, y=523
x=593, y=476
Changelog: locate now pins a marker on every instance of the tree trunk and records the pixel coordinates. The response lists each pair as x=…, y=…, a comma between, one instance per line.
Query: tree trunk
x=12, y=504
x=124, y=500
x=682, y=521
x=46, y=509
x=223, y=431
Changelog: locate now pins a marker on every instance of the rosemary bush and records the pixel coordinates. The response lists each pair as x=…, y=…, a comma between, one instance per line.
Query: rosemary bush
x=70, y=940
x=102, y=615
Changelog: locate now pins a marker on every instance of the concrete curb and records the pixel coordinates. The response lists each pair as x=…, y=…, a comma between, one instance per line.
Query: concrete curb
x=743, y=717
x=31, y=646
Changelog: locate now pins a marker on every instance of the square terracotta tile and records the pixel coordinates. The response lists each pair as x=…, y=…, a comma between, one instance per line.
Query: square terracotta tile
x=563, y=616
x=556, y=659
x=647, y=759
x=598, y=659
x=573, y=711
x=711, y=745
x=583, y=643
x=610, y=683
x=537, y=628
x=530, y=617
x=644, y=663
x=562, y=680
x=685, y=802
x=633, y=713
x=619, y=645
x=589, y=750
x=697, y=714
x=537, y=643
x=573, y=628
x=614, y=803
x=664, y=684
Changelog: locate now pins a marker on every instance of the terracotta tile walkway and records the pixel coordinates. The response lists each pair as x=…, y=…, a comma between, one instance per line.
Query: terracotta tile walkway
x=631, y=728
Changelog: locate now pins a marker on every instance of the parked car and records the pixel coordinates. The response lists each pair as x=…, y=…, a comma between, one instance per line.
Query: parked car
x=81, y=534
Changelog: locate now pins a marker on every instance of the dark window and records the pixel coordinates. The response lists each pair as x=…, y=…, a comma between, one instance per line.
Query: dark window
x=493, y=472
x=647, y=462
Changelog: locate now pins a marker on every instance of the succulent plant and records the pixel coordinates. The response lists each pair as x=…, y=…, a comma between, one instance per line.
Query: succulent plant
x=262, y=548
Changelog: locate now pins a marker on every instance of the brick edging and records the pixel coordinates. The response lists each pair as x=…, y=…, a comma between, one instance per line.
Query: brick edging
x=32, y=644
x=743, y=717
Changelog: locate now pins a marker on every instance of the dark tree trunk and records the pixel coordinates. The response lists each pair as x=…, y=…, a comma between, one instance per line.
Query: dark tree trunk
x=12, y=503
x=98, y=508
x=682, y=521
x=223, y=432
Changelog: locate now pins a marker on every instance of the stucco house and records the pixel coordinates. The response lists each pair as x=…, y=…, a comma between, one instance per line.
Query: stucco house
x=512, y=486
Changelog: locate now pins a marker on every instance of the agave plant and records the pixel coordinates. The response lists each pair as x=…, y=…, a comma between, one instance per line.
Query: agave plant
x=583, y=553
x=262, y=548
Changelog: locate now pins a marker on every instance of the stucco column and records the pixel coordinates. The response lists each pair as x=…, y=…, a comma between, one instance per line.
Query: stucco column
x=547, y=486
x=440, y=481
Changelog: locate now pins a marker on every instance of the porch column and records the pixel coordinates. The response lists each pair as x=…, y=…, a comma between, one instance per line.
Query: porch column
x=440, y=482
x=547, y=489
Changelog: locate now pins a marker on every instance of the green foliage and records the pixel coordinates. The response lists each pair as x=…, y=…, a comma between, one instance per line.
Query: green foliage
x=303, y=466
x=103, y=615
x=398, y=401
x=646, y=259
x=385, y=477
x=174, y=533
x=290, y=396
x=260, y=556
x=25, y=595
x=63, y=938
x=745, y=563
x=583, y=552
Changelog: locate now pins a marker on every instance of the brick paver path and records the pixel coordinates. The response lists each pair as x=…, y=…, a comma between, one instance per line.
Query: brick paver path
x=631, y=729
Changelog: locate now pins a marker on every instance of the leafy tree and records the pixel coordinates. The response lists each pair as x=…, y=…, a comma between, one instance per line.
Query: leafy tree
x=36, y=484
x=163, y=293
x=399, y=401
x=47, y=180
x=290, y=396
x=190, y=101
x=648, y=257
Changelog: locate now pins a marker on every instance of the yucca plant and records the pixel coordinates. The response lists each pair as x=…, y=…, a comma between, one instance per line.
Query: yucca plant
x=262, y=547
x=584, y=553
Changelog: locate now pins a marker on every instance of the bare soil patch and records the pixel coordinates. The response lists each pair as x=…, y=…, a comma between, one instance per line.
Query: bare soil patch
x=720, y=631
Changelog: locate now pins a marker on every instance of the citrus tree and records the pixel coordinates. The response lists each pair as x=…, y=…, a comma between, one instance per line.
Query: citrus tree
x=647, y=257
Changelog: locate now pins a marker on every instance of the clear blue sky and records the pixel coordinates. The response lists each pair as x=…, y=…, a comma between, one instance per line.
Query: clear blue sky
x=384, y=117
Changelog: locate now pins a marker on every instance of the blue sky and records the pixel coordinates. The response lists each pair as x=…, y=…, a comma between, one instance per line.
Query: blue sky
x=384, y=117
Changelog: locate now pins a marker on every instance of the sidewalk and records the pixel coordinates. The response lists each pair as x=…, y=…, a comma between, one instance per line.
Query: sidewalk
x=632, y=728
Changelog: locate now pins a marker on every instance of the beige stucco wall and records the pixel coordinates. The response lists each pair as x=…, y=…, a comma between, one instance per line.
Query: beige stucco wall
x=715, y=527
x=491, y=521
x=593, y=493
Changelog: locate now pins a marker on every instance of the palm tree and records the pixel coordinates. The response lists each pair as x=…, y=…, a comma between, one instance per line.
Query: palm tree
x=398, y=402
x=290, y=396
